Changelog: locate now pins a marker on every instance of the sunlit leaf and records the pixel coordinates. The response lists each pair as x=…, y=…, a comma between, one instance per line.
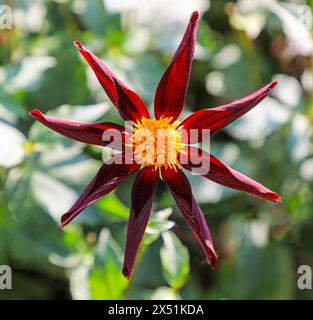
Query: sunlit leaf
x=175, y=260
x=10, y=108
x=251, y=255
x=157, y=224
x=106, y=279
x=299, y=137
x=54, y=196
x=112, y=206
x=165, y=293
x=30, y=72
x=11, y=146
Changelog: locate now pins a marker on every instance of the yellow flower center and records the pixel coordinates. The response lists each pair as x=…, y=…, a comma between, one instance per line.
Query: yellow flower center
x=157, y=142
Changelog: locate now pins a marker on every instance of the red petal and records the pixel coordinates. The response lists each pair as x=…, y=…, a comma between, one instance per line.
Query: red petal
x=224, y=175
x=181, y=191
x=141, y=203
x=99, y=134
x=218, y=118
x=127, y=102
x=172, y=89
x=108, y=178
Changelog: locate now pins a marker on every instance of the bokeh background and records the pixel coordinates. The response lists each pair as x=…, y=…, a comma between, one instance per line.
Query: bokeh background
x=241, y=46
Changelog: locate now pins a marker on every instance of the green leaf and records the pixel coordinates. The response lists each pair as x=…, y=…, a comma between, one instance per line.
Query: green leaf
x=10, y=108
x=106, y=280
x=175, y=260
x=165, y=293
x=158, y=223
x=111, y=205
x=30, y=72
x=85, y=113
x=257, y=269
x=54, y=196
x=94, y=16
x=12, y=143
x=265, y=273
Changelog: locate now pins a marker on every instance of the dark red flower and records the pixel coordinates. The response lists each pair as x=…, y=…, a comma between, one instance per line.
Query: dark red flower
x=145, y=154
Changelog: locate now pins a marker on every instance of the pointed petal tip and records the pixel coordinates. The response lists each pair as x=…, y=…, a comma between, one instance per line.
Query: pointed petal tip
x=194, y=17
x=126, y=272
x=273, y=84
x=78, y=45
x=172, y=88
x=61, y=226
x=269, y=87
x=128, y=103
x=273, y=197
x=64, y=220
x=214, y=262
x=35, y=113
x=277, y=198
x=212, y=258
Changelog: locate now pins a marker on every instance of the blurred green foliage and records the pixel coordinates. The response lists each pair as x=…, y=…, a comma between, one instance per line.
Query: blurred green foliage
x=241, y=46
